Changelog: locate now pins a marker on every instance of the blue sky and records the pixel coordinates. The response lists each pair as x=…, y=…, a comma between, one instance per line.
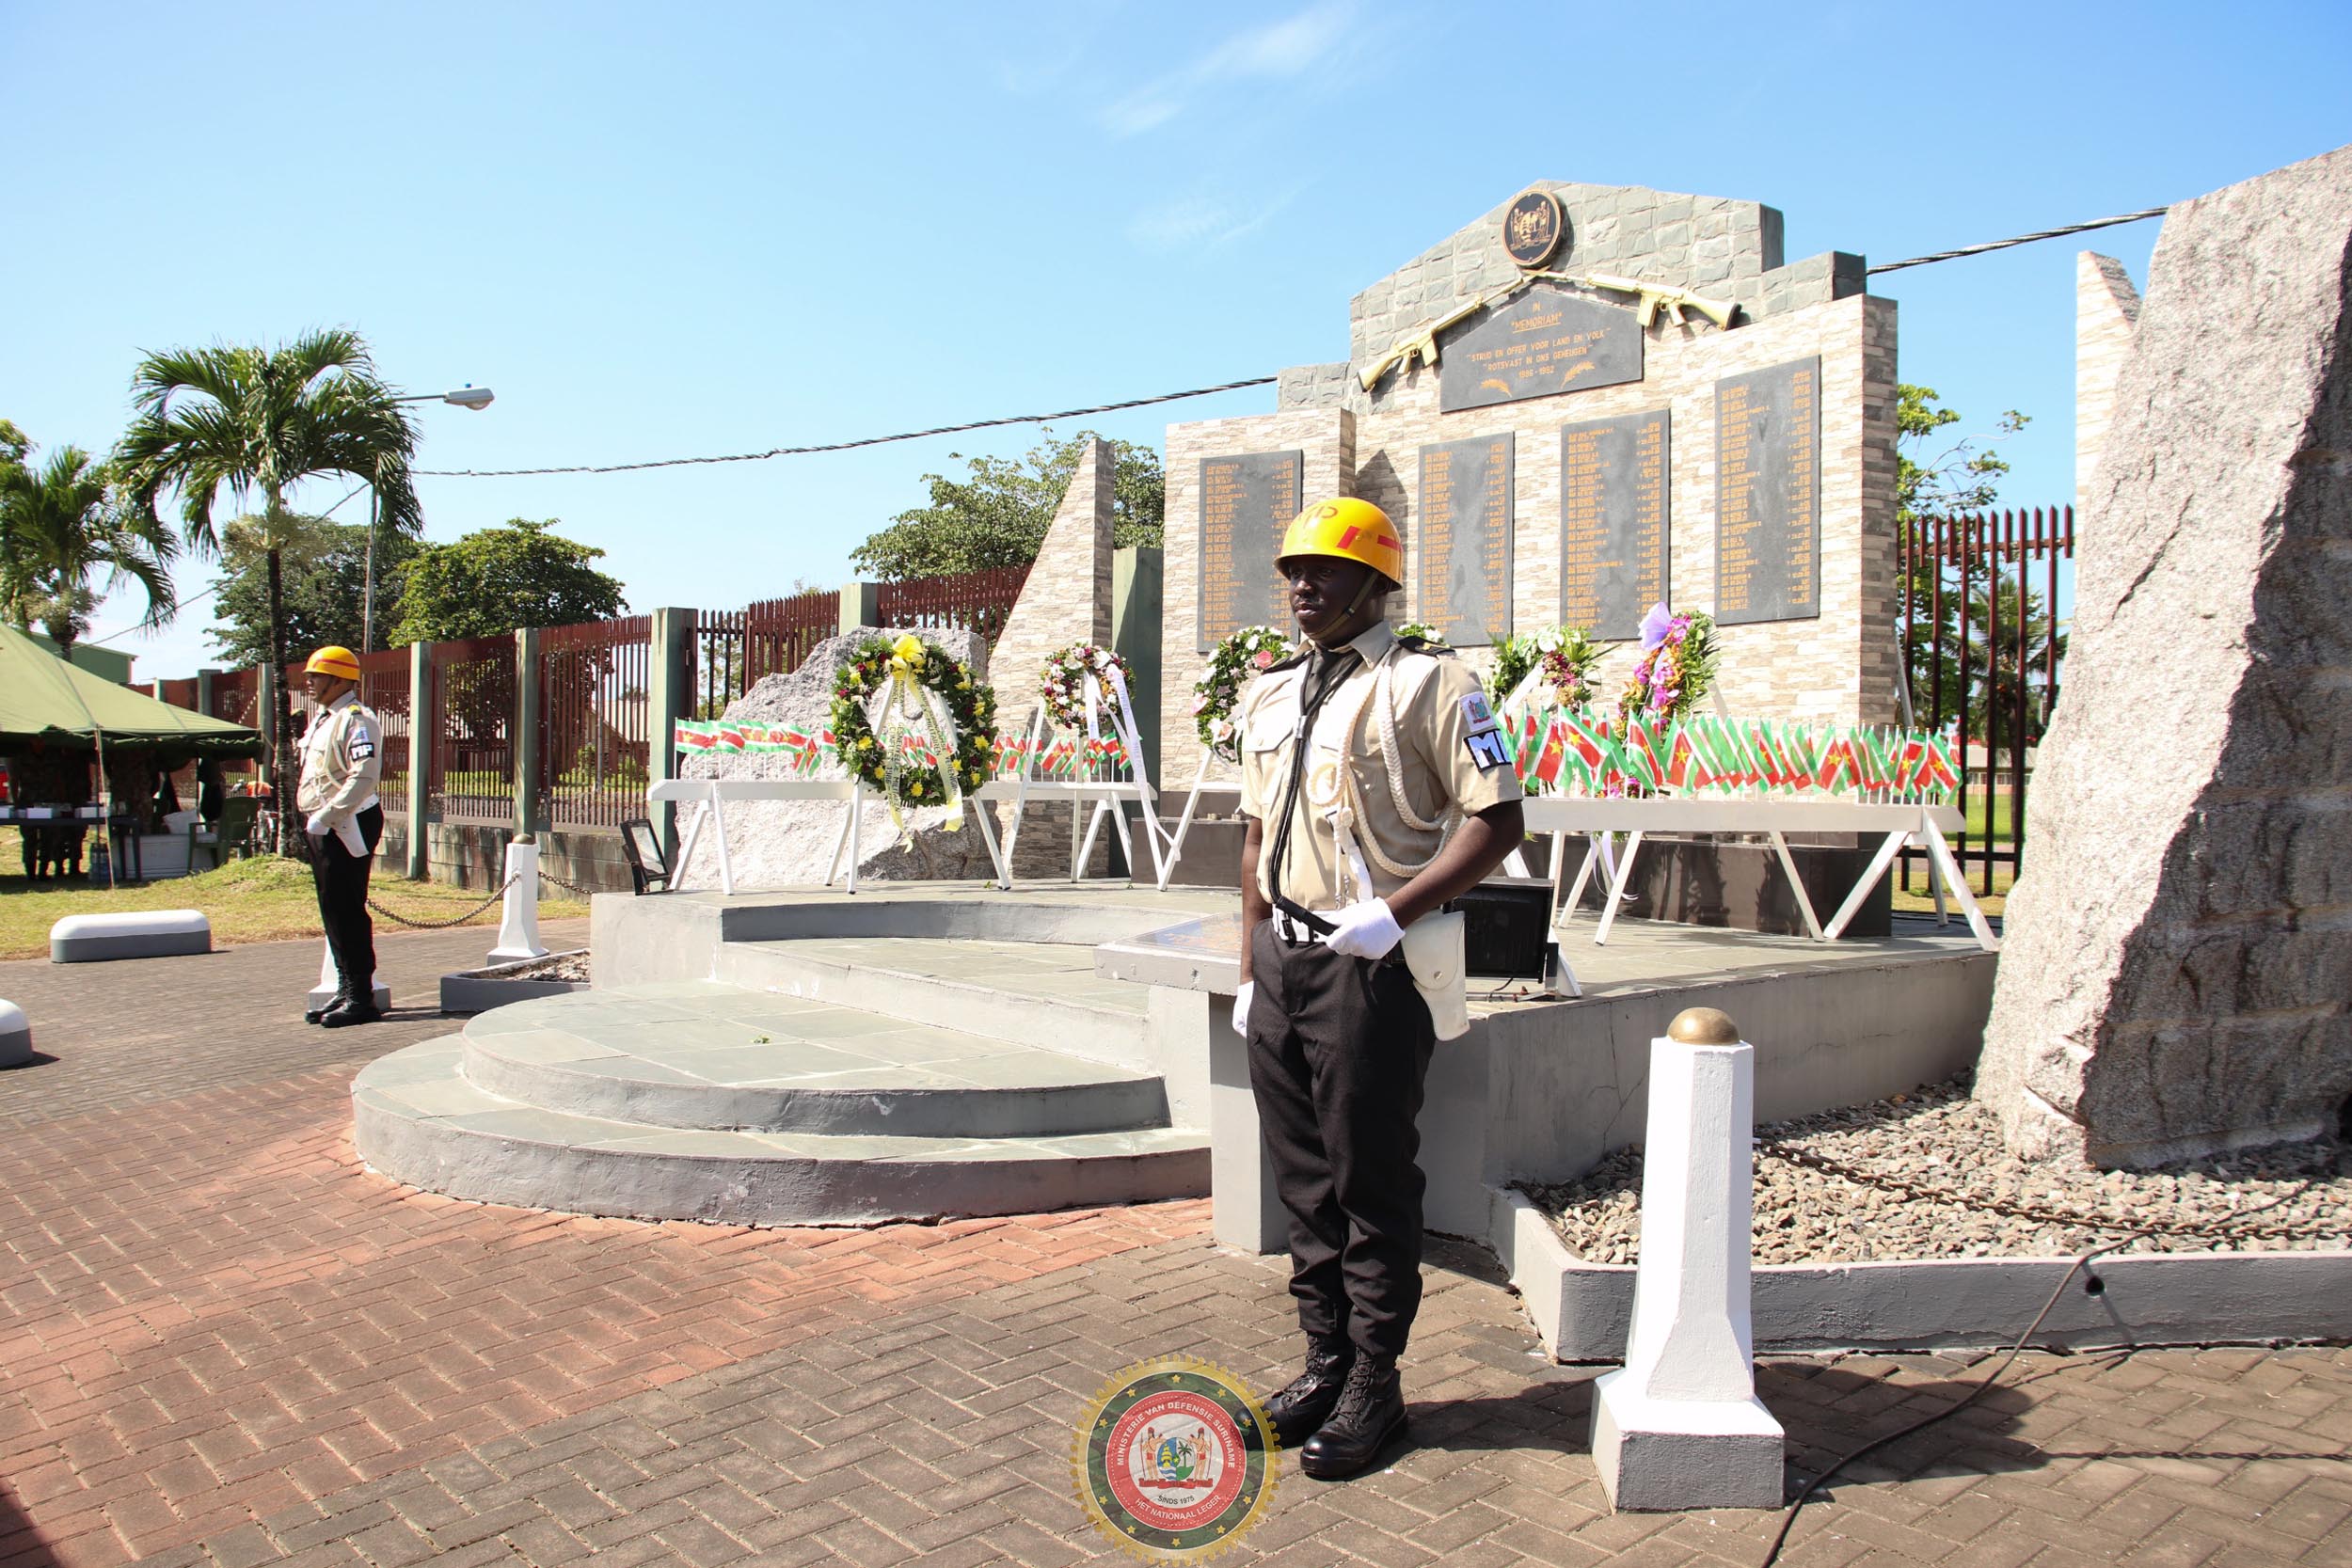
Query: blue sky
x=662, y=232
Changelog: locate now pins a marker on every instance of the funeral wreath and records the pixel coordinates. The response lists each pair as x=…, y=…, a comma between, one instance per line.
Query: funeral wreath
x=912, y=723
x=1233, y=664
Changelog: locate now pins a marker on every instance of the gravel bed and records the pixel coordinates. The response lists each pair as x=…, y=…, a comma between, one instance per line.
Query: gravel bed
x=555, y=966
x=1938, y=1141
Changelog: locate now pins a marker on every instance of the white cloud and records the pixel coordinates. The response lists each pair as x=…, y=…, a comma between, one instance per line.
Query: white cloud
x=1277, y=52
x=1199, y=223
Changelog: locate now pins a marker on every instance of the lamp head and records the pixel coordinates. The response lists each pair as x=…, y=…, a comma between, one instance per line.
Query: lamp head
x=469, y=396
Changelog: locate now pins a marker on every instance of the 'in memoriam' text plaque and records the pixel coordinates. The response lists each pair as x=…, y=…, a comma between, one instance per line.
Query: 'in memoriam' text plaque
x=1543, y=341
x=1613, y=522
x=1767, y=494
x=1247, y=500
x=1464, y=575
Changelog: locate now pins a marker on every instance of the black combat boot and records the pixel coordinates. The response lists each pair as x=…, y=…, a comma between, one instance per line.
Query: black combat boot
x=1305, y=1404
x=1371, y=1412
x=318, y=1014
x=351, y=1010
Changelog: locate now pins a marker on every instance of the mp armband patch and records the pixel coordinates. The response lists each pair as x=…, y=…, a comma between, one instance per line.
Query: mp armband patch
x=1487, y=750
x=362, y=750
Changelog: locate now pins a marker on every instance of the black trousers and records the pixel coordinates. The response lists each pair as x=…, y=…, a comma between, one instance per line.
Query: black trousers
x=341, y=878
x=1339, y=1053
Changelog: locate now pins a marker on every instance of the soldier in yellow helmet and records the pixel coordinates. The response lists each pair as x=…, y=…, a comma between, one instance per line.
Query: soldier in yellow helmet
x=341, y=760
x=1376, y=786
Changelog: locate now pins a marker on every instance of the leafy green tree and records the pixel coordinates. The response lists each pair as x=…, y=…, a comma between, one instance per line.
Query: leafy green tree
x=258, y=421
x=1938, y=476
x=62, y=524
x=997, y=514
x=501, y=579
x=325, y=575
x=15, y=446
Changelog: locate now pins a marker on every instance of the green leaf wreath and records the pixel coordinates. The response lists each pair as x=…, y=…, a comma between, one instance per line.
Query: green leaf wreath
x=893, y=772
x=1233, y=664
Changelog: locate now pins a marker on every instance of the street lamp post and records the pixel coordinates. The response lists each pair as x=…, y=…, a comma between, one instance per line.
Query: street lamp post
x=474, y=398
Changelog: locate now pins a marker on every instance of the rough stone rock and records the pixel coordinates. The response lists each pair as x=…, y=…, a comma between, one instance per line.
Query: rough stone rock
x=790, y=843
x=2178, y=962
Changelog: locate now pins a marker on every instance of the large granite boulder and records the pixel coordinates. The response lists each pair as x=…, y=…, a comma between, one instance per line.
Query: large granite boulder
x=2178, y=965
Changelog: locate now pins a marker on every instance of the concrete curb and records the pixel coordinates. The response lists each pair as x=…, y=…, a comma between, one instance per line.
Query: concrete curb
x=478, y=990
x=16, y=1036
x=129, y=934
x=1582, y=1310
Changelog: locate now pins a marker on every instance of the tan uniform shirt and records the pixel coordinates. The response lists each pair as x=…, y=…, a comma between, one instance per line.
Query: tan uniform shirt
x=1450, y=763
x=341, y=760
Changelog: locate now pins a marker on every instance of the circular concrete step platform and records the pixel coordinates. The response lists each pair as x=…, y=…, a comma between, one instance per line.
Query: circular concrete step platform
x=702, y=1055
x=418, y=1119
x=1023, y=992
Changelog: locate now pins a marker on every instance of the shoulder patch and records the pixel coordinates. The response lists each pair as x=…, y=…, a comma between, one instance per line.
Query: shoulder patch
x=1486, y=750
x=1477, y=717
x=1419, y=644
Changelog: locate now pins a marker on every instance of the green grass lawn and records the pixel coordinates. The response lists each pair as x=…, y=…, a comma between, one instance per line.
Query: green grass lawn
x=261, y=900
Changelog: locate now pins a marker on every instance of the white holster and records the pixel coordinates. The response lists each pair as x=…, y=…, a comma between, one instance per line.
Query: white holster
x=1435, y=954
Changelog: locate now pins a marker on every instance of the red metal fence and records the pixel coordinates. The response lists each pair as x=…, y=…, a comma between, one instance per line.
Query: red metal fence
x=593, y=681
x=977, y=601
x=384, y=687
x=474, y=752
x=1984, y=649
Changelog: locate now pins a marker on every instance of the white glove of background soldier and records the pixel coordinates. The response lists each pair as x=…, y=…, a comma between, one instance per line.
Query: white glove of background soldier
x=1241, y=1007
x=317, y=826
x=1365, y=930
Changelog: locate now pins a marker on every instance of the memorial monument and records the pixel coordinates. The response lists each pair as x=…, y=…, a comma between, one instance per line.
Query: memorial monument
x=2178, y=975
x=1588, y=401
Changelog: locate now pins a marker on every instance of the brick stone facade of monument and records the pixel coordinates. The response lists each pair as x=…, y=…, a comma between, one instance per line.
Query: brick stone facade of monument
x=1842, y=664
x=1066, y=600
x=2107, y=308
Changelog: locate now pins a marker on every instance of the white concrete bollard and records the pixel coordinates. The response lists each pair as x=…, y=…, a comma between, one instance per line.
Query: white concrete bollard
x=324, y=993
x=518, y=926
x=16, y=1036
x=1681, y=1427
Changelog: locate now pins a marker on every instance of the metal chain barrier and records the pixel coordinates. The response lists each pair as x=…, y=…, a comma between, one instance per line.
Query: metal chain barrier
x=1902, y=1188
x=441, y=925
x=566, y=882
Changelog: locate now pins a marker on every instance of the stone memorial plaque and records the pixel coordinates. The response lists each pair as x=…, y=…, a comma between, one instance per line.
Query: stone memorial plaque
x=1767, y=494
x=1613, y=522
x=1544, y=340
x=1463, y=580
x=1247, y=500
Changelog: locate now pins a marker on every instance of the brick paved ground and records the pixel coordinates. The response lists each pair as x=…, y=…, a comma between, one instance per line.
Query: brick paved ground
x=226, y=1342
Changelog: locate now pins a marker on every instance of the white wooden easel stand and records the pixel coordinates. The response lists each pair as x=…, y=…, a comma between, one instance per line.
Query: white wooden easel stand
x=709, y=796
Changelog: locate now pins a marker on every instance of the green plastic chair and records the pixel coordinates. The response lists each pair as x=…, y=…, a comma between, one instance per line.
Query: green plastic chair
x=234, y=836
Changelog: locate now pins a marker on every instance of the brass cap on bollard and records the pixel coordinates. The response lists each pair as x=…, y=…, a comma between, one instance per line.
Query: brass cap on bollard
x=1703, y=1026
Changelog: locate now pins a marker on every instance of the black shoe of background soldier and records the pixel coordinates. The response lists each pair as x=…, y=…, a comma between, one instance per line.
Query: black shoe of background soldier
x=313, y=1015
x=1371, y=1412
x=1306, y=1402
x=347, y=1012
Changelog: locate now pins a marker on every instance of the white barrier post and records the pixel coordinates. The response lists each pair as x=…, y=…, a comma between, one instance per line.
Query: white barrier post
x=329, y=982
x=518, y=924
x=16, y=1036
x=1680, y=1426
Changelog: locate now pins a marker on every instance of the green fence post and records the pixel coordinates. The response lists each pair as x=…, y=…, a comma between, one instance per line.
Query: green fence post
x=860, y=605
x=527, y=740
x=668, y=696
x=424, y=728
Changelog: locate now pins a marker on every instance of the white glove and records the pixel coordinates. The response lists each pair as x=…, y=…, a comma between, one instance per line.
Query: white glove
x=1365, y=930
x=1241, y=1007
x=354, y=840
x=317, y=826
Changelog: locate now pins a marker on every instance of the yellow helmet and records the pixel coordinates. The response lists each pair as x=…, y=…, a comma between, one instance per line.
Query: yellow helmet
x=335, y=660
x=1353, y=531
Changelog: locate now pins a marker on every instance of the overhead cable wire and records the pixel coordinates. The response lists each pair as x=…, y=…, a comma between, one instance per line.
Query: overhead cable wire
x=1138, y=403
x=845, y=446
x=2022, y=238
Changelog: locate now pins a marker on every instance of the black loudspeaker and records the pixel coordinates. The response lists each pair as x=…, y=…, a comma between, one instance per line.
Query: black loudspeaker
x=1506, y=922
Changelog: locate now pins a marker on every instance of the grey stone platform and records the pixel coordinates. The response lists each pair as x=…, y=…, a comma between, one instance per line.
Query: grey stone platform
x=868, y=1079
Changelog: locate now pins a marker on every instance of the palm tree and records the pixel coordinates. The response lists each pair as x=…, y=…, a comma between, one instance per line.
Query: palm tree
x=259, y=421
x=61, y=524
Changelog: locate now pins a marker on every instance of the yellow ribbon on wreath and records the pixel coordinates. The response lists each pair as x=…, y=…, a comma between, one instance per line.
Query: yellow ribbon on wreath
x=906, y=707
